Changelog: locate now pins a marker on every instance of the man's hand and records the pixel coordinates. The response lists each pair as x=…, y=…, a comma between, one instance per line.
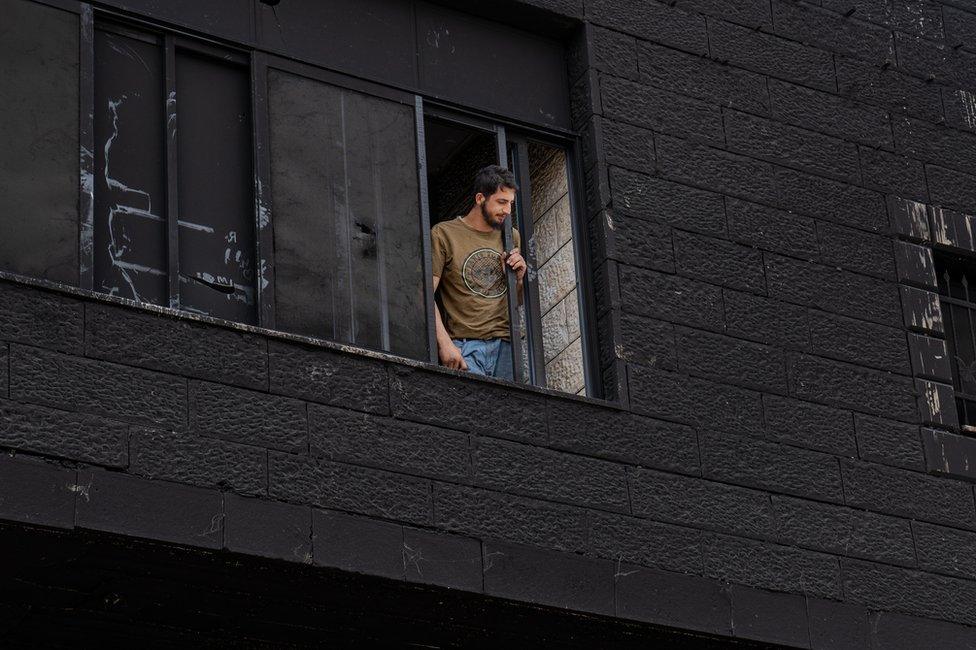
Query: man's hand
x=450, y=355
x=516, y=262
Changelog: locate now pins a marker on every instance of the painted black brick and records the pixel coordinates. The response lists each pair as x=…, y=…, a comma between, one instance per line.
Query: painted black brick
x=541, y=473
x=771, y=617
x=843, y=531
x=303, y=480
x=936, y=144
x=916, y=265
x=766, y=320
x=248, y=417
x=671, y=298
x=717, y=170
x=900, y=632
x=853, y=387
x=440, y=559
x=628, y=146
x=35, y=317
x=833, y=290
x=809, y=425
x=891, y=173
x=833, y=32
x=362, y=439
x=549, y=578
x=772, y=230
x=960, y=26
x=837, y=626
x=908, y=494
x=36, y=492
x=647, y=543
x=719, y=262
x=770, y=566
x=74, y=436
x=653, y=21
x=769, y=54
x=328, y=377
x=176, y=346
x=702, y=504
x=172, y=456
x=867, y=82
x=913, y=16
x=672, y=599
x=828, y=113
x=751, y=13
x=951, y=188
x=936, y=61
x=660, y=110
x=468, y=405
x=640, y=243
x=911, y=592
x=129, y=505
x=492, y=515
x=357, y=544
x=770, y=466
x=678, y=205
x=97, y=387
x=621, y=436
x=4, y=370
x=945, y=550
x=860, y=342
x=267, y=528
x=857, y=251
x=676, y=397
x=960, y=108
x=645, y=341
x=792, y=146
x=612, y=52
x=702, y=78
x=732, y=361
x=889, y=442
x=832, y=200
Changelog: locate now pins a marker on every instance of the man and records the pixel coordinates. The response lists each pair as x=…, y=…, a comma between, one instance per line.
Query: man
x=469, y=271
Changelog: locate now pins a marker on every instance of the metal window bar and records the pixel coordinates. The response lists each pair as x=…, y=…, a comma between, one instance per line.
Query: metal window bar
x=957, y=295
x=508, y=243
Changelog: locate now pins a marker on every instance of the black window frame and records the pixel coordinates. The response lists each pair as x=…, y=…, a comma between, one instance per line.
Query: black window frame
x=957, y=329
x=511, y=136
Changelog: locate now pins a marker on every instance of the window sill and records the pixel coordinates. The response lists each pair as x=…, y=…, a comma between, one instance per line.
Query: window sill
x=94, y=296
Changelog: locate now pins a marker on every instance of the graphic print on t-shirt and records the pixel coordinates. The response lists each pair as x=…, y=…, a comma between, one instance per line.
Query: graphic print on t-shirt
x=482, y=273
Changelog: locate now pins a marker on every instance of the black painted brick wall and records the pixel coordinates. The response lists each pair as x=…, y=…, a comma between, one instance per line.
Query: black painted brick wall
x=763, y=316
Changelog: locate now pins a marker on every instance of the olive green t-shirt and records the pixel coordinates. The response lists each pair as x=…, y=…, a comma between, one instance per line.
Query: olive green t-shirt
x=472, y=283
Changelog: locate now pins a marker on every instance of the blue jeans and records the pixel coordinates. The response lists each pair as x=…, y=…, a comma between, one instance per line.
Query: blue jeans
x=489, y=357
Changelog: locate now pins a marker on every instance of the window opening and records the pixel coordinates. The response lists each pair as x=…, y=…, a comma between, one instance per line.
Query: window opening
x=957, y=295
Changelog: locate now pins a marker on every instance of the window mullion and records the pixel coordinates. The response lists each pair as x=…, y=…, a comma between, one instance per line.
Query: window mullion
x=512, y=294
x=425, y=227
x=264, y=242
x=172, y=172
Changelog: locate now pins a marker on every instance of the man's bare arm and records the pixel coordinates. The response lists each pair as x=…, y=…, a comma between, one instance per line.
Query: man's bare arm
x=447, y=352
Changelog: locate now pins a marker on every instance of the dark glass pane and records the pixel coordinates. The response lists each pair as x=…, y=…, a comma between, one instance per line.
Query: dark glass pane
x=130, y=187
x=216, y=222
x=346, y=218
x=39, y=142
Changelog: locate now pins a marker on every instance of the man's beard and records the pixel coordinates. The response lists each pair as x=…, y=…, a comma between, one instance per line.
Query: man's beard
x=488, y=220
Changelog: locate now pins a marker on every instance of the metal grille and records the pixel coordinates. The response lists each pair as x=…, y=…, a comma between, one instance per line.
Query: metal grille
x=957, y=294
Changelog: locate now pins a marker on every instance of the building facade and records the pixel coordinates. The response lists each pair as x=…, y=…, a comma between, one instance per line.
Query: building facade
x=744, y=409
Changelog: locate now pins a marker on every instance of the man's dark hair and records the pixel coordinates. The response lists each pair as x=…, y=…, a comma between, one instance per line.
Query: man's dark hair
x=489, y=179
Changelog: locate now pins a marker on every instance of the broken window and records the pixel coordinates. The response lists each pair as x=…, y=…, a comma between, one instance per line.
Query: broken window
x=173, y=217
x=39, y=149
x=957, y=295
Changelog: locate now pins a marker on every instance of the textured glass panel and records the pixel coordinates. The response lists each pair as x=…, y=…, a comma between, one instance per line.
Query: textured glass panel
x=346, y=216
x=130, y=188
x=39, y=142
